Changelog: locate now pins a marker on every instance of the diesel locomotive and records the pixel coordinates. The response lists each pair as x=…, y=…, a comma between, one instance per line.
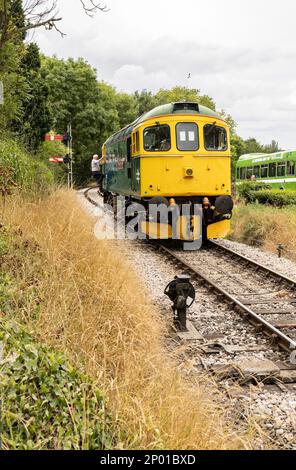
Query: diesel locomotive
x=175, y=154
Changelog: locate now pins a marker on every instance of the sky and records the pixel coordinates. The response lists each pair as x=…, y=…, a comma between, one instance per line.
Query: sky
x=242, y=54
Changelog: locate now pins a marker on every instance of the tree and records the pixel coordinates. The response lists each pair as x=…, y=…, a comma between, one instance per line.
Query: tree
x=127, y=108
x=238, y=148
x=77, y=97
x=253, y=146
x=273, y=147
x=146, y=101
x=36, y=117
x=14, y=84
x=230, y=121
x=17, y=17
x=179, y=93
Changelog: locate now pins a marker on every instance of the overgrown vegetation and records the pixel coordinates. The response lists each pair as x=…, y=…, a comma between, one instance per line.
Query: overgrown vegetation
x=80, y=296
x=266, y=226
x=44, y=402
x=20, y=170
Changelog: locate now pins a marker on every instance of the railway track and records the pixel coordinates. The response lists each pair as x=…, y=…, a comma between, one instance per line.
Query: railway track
x=245, y=299
x=249, y=364
x=268, y=303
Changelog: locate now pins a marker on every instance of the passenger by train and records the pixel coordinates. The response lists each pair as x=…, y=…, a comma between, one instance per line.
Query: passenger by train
x=95, y=169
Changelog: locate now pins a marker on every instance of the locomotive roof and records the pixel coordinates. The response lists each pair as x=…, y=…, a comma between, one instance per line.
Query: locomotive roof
x=164, y=109
x=178, y=108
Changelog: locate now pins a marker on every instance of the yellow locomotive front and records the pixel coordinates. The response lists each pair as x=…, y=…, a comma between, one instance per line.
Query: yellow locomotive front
x=176, y=155
x=184, y=155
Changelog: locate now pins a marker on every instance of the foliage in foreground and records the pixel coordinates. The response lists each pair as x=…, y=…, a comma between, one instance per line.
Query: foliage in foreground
x=46, y=403
x=83, y=298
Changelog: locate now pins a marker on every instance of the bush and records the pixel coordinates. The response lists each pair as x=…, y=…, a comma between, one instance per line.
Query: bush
x=252, y=192
x=19, y=169
x=273, y=198
x=45, y=402
x=246, y=189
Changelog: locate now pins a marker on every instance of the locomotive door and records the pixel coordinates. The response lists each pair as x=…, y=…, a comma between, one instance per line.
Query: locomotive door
x=135, y=162
x=136, y=175
x=128, y=159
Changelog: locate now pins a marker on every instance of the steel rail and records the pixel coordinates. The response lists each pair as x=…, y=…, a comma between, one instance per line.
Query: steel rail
x=277, y=336
x=257, y=266
x=94, y=203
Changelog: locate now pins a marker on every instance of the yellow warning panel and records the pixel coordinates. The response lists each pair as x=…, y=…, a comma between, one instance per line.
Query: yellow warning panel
x=219, y=230
x=156, y=230
x=189, y=233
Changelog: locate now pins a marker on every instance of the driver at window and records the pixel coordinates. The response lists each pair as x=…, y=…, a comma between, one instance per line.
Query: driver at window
x=164, y=145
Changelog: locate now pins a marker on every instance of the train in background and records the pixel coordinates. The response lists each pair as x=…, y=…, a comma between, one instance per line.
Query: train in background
x=277, y=170
x=175, y=154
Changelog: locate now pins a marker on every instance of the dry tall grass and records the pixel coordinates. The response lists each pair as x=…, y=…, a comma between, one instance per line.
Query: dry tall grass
x=84, y=300
x=266, y=227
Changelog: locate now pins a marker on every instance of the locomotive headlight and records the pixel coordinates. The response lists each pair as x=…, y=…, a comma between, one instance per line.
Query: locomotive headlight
x=188, y=172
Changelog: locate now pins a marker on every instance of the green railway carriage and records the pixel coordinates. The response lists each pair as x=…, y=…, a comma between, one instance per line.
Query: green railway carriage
x=276, y=169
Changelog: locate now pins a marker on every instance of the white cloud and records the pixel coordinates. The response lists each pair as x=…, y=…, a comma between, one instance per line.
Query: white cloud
x=243, y=55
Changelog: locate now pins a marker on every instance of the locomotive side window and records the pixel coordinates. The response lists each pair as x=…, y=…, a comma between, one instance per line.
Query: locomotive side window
x=137, y=141
x=157, y=138
x=243, y=173
x=264, y=171
x=290, y=168
x=249, y=172
x=281, y=169
x=256, y=172
x=187, y=136
x=272, y=170
x=215, y=137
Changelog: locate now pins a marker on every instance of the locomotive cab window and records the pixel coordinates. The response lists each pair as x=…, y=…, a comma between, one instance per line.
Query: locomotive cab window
x=187, y=136
x=157, y=138
x=215, y=137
